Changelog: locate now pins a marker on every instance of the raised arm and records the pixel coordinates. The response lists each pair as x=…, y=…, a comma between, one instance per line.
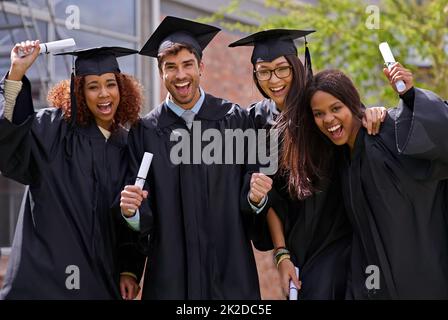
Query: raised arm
x=16, y=111
x=421, y=120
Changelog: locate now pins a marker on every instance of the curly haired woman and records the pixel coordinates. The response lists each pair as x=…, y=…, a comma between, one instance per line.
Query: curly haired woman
x=70, y=242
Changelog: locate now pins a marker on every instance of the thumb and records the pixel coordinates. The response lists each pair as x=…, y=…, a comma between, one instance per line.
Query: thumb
x=36, y=50
x=383, y=115
x=145, y=194
x=295, y=280
x=386, y=73
x=364, y=122
x=123, y=291
x=128, y=292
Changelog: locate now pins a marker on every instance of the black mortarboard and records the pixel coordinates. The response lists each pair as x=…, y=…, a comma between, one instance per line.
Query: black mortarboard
x=93, y=61
x=98, y=60
x=271, y=44
x=176, y=30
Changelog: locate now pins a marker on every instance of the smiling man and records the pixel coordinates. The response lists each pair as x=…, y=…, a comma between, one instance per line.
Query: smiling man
x=199, y=246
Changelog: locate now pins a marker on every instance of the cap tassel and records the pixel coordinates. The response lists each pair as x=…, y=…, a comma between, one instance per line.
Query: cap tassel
x=73, y=114
x=308, y=66
x=73, y=105
x=69, y=135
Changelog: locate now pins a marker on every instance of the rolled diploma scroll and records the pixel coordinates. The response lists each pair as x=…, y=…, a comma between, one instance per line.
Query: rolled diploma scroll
x=293, y=291
x=389, y=60
x=143, y=171
x=54, y=46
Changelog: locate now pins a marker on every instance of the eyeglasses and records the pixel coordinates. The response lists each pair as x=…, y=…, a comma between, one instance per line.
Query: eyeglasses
x=280, y=72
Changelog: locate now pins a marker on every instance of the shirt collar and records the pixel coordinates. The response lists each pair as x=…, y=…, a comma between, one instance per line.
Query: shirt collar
x=179, y=110
x=106, y=133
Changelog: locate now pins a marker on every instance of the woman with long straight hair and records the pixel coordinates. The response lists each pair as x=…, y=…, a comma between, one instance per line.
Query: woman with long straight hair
x=307, y=230
x=394, y=184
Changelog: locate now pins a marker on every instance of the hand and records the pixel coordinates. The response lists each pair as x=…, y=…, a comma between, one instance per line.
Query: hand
x=287, y=273
x=19, y=65
x=131, y=199
x=129, y=287
x=398, y=72
x=372, y=119
x=260, y=184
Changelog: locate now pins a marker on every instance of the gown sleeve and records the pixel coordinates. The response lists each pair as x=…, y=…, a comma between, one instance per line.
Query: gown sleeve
x=421, y=126
x=136, y=152
x=249, y=168
x=30, y=139
x=16, y=161
x=260, y=234
x=130, y=257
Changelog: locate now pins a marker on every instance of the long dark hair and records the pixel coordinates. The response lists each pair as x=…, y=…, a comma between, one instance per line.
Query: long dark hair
x=287, y=122
x=311, y=155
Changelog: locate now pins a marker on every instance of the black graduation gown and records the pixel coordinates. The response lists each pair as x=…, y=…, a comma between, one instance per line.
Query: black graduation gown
x=199, y=246
x=317, y=231
x=395, y=189
x=66, y=218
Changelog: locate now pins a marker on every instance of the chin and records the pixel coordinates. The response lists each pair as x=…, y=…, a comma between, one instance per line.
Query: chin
x=338, y=142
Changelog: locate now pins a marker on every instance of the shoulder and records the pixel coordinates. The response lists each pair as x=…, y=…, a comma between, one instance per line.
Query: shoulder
x=263, y=113
x=151, y=119
x=218, y=108
x=260, y=106
x=50, y=115
x=222, y=104
x=121, y=135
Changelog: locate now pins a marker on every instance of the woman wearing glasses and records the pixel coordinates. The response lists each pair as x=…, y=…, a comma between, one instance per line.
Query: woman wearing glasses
x=308, y=231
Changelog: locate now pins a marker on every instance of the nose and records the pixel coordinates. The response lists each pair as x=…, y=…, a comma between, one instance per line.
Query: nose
x=181, y=74
x=329, y=117
x=104, y=92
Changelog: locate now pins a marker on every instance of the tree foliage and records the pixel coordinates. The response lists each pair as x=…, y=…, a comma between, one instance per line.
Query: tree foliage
x=349, y=32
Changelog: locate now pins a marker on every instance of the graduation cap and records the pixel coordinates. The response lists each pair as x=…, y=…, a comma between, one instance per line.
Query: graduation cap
x=271, y=44
x=174, y=30
x=93, y=61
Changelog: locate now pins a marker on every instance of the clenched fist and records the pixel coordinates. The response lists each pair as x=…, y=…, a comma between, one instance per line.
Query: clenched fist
x=131, y=199
x=19, y=65
x=260, y=184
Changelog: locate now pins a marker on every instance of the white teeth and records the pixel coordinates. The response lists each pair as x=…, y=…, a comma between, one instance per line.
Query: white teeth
x=277, y=89
x=104, y=104
x=183, y=84
x=334, y=128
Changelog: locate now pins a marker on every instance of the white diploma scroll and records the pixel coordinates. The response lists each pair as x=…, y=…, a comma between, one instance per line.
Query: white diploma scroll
x=293, y=291
x=389, y=60
x=143, y=171
x=54, y=46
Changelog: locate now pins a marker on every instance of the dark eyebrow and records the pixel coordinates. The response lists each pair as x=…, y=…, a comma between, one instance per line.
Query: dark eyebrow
x=335, y=103
x=286, y=63
x=278, y=64
x=96, y=81
x=331, y=106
